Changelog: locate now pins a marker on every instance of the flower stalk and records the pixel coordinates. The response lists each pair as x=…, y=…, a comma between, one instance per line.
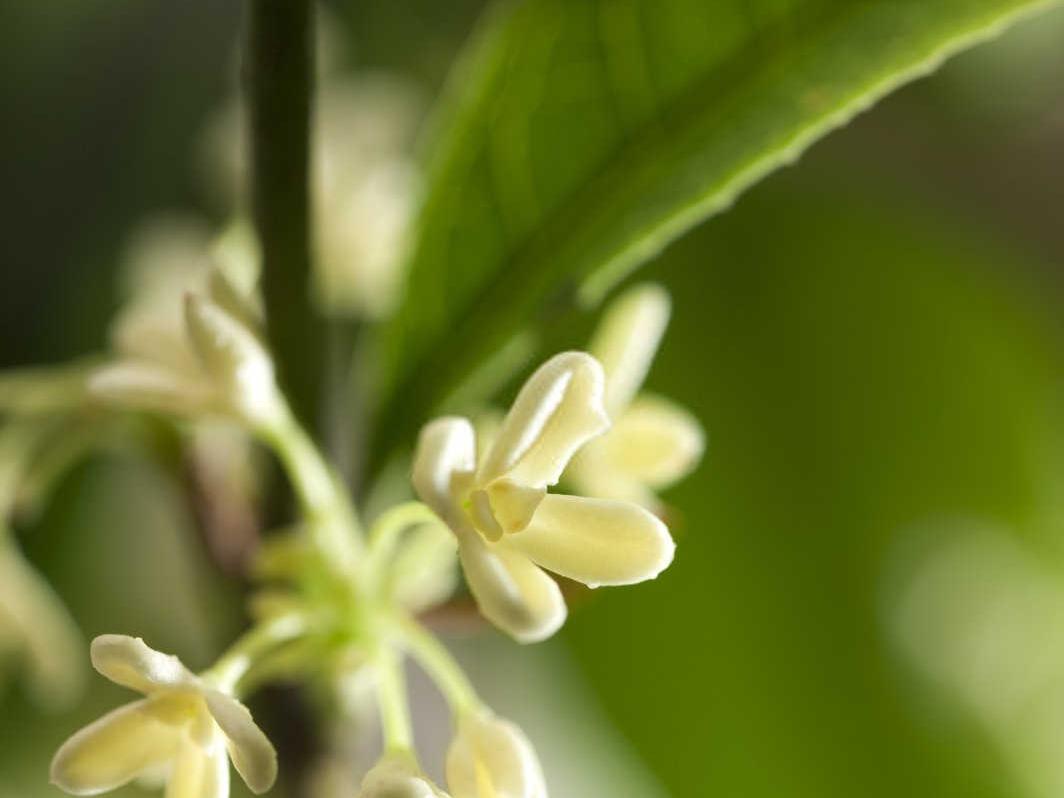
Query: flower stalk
x=324, y=502
x=259, y=641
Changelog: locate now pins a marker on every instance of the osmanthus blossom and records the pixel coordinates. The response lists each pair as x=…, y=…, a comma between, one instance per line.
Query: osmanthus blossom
x=509, y=528
x=220, y=368
x=398, y=776
x=653, y=442
x=492, y=758
x=363, y=180
x=166, y=258
x=185, y=727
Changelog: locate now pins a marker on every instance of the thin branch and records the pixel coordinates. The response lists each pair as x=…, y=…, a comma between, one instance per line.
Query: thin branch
x=279, y=75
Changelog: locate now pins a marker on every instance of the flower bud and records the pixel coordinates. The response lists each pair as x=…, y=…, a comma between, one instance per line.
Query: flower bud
x=491, y=758
x=396, y=776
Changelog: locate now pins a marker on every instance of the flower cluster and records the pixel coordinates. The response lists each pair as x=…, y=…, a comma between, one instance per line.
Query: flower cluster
x=565, y=486
x=338, y=605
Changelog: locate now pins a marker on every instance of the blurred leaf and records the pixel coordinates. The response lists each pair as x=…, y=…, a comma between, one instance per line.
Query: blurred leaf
x=580, y=138
x=864, y=367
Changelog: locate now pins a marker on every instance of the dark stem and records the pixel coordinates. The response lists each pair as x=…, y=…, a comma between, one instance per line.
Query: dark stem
x=279, y=74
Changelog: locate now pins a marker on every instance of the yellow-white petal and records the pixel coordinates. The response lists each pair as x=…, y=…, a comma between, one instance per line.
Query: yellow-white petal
x=199, y=771
x=397, y=776
x=557, y=411
x=147, y=386
x=234, y=358
x=511, y=591
x=504, y=506
x=492, y=758
x=140, y=336
x=123, y=744
x=446, y=447
x=627, y=340
x=595, y=541
x=242, y=307
x=654, y=441
x=132, y=663
x=251, y=751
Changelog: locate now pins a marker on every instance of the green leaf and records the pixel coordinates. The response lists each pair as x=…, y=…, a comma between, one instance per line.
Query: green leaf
x=580, y=138
x=874, y=363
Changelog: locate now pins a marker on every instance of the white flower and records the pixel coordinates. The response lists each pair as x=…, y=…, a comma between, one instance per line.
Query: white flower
x=396, y=776
x=491, y=758
x=189, y=356
x=184, y=725
x=37, y=631
x=222, y=369
x=653, y=442
x=507, y=525
x=363, y=182
x=165, y=259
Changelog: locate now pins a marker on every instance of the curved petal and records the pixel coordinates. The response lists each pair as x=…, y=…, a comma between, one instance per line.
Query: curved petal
x=593, y=474
x=655, y=442
x=395, y=776
x=627, y=340
x=504, y=507
x=557, y=411
x=424, y=568
x=39, y=624
x=234, y=358
x=445, y=447
x=251, y=751
x=596, y=541
x=493, y=757
x=199, y=771
x=132, y=663
x=146, y=386
x=511, y=591
x=120, y=746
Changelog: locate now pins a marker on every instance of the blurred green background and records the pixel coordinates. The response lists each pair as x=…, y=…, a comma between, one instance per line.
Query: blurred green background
x=871, y=339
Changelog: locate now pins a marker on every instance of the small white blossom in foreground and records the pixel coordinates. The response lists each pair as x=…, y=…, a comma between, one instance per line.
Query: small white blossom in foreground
x=184, y=726
x=491, y=758
x=37, y=632
x=653, y=442
x=508, y=526
x=396, y=776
